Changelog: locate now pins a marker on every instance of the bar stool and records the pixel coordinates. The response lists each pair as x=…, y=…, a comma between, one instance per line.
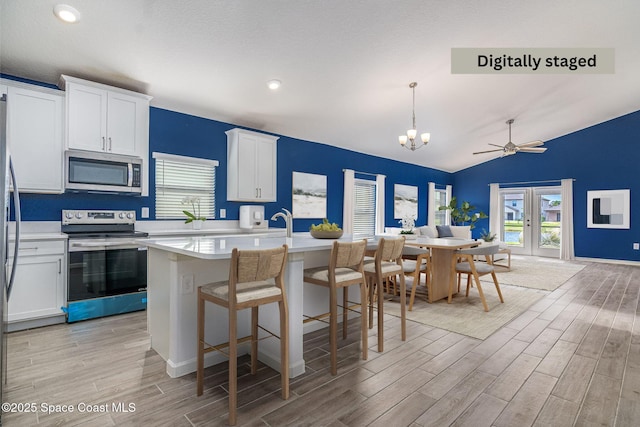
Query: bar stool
x=256, y=277
x=345, y=269
x=386, y=265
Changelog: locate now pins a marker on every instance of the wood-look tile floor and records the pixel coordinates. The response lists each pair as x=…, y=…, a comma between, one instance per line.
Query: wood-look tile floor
x=572, y=359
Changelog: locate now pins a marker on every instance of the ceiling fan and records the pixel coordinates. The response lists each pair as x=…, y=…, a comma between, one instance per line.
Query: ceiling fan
x=510, y=148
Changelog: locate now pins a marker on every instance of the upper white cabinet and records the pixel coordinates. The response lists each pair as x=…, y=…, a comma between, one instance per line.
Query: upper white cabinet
x=35, y=136
x=251, y=166
x=105, y=118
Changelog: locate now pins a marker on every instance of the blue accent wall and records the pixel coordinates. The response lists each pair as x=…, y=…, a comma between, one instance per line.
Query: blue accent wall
x=601, y=157
x=187, y=135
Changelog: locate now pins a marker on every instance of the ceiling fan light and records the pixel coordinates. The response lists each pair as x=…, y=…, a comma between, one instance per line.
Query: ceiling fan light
x=402, y=139
x=425, y=137
x=274, y=84
x=411, y=133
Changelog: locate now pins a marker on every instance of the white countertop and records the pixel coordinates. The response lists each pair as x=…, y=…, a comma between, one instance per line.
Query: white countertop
x=209, y=247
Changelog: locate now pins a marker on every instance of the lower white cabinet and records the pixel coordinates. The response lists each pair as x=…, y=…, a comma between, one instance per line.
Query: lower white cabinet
x=39, y=287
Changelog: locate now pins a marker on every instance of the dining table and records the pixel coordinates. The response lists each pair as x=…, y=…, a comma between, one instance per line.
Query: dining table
x=442, y=262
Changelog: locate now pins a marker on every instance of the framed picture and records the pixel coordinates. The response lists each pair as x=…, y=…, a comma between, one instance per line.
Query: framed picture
x=405, y=201
x=608, y=208
x=309, y=195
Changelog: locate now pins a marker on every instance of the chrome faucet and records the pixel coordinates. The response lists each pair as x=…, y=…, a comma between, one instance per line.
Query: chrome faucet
x=288, y=220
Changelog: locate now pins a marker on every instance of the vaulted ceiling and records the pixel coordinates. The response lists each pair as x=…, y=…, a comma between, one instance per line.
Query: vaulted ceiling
x=345, y=65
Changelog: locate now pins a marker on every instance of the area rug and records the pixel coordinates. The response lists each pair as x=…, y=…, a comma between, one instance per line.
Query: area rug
x=466, y=316
x=536, y=272
x=530, y=279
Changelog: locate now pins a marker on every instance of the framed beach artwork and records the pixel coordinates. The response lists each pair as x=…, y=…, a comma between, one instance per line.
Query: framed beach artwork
x=309, y=195
x=405, y=201
x=608, y=208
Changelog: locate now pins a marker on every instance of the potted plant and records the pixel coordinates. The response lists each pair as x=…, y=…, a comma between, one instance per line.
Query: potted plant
x=487, y=236
x=463, y=215
x=193, y=217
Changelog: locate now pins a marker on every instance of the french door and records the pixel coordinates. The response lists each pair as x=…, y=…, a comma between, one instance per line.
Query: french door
x=530, y=220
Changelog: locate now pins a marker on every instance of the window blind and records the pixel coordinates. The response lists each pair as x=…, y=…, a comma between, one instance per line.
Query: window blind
x=364, y=213
x=441, y=200
x=181, y=179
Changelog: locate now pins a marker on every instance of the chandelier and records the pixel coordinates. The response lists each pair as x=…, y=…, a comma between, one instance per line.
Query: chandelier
x=412, y=133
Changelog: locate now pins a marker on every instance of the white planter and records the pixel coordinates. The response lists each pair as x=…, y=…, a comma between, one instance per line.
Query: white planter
x=197, y=224
x=410, y=236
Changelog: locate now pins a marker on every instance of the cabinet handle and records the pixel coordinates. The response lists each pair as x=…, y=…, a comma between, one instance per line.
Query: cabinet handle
x=59, y=266
x=260, y=192
x=29, y=248
x=104, y=144
x=109, y=143
x=256, y=192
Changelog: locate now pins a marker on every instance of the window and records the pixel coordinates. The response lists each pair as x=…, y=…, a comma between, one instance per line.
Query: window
x=364, y=212
x=441, y=200
x=178, y=177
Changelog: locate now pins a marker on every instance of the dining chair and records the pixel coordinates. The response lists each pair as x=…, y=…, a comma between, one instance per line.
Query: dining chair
x=256, y=277
x=463, y=263
x=415, y=262
x=345, y=269
x=384, y=266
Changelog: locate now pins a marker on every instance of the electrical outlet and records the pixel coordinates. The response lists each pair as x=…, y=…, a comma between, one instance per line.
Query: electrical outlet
x=223, y=213
x=144, y=213
x=636, y=246
x=186, y=283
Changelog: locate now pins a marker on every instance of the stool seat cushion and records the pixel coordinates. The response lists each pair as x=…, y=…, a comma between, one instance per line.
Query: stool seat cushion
x=246, y=291
x=386, y=267
x=343, y=274
x=465, y=267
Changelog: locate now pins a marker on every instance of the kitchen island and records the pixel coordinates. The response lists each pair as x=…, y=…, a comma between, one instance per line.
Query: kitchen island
x=177, y=266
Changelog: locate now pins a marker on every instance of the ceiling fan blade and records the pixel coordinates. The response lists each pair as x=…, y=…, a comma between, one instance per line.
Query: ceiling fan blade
x=531, y=144
x=531, y=150
x=488, y=151
x=496, y=145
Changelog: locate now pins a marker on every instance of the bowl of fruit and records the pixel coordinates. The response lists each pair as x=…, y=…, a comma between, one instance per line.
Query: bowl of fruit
x=326, y=230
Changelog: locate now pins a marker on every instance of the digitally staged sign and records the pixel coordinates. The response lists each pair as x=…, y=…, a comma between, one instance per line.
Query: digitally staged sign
x=532, y=61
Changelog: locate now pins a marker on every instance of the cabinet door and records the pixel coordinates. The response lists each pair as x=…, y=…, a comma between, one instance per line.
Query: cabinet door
x=265, y=170
x=38, y=290
x=122, y=124
x=86, y=118
x=35, y=139
x=247, y=186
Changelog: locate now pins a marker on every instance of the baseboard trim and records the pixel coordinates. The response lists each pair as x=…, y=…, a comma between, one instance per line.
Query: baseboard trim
x=609, y=261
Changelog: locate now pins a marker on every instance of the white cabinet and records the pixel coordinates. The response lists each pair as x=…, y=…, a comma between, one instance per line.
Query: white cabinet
x=251, y=166
x=39, y=288
x=35, y=136
x=102, y=118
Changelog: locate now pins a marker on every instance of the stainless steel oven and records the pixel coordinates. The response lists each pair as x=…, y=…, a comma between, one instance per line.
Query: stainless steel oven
x=107, y=268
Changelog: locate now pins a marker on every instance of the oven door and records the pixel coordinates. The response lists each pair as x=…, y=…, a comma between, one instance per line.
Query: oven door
x=100, y=269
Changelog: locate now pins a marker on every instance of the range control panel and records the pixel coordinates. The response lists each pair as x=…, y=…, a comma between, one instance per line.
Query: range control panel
x=98, y=217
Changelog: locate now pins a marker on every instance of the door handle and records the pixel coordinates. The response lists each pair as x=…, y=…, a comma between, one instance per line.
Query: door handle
x=110, y=144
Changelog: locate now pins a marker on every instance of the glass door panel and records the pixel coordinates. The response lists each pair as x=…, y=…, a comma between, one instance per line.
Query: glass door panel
x=514, y=215
x=548, y=203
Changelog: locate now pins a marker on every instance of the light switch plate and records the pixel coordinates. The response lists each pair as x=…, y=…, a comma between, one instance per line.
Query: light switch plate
x=144, y=213
x=223, y=213
x=187, y=284
x=636, y=246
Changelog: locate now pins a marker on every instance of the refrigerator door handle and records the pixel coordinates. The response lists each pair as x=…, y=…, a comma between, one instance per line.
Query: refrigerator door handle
x=16, y=208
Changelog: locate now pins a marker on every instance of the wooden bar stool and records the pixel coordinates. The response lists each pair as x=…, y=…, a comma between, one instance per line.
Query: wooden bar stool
x=345, y=269
x=386, y=265
x=415, y=262
x=256, y=277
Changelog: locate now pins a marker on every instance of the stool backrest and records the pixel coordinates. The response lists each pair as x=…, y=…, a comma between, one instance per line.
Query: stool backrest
x=348, y=254
x=490, y=249
x=257, y=265
x=390, y=249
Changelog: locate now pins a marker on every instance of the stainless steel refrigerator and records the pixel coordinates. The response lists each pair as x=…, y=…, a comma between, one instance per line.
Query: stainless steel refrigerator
x=7, y=272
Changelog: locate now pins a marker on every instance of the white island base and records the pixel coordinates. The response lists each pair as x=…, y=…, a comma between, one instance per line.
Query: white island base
x=176, y=267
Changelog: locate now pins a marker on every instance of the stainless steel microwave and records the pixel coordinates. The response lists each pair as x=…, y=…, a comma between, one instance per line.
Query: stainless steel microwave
x=102, y=172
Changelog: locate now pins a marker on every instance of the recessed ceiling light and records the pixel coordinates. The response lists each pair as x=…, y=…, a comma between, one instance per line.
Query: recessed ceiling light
x=274, y=84
x=66, y=13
